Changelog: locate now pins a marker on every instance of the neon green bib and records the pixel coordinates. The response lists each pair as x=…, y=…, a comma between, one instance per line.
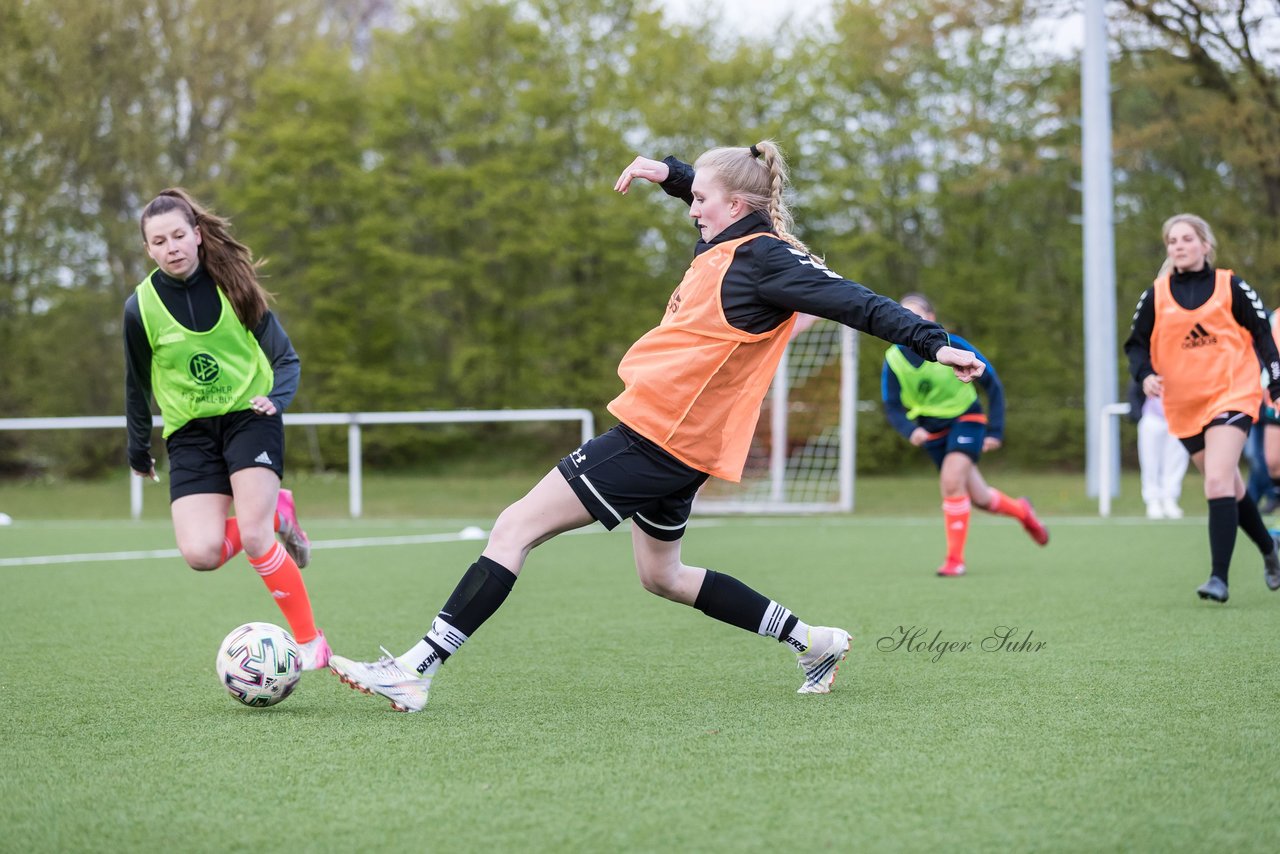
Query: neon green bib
x=200, y=374
x=931, y=390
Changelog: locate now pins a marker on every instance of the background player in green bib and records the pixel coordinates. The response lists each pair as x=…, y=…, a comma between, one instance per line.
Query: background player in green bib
x=200, y=340
x=935, y=411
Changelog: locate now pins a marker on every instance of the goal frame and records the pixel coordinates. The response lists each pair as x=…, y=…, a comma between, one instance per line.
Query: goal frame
x=771, y=491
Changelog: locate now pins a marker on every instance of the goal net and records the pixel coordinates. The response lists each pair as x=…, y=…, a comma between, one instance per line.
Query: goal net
x=802, y=455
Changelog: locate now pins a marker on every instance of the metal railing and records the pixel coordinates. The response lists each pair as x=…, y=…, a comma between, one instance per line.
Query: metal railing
x=355, y=421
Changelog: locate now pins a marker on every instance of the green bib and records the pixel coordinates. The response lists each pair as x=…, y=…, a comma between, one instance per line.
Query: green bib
x=201, y=374
x=931, y=390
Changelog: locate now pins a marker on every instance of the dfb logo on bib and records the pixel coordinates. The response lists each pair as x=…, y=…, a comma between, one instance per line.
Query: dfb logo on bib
x=204, y=368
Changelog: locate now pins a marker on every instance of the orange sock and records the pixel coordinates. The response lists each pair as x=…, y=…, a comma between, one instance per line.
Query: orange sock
x=1006, y=506
x=284, y=580
x=230, y=541
x=955, y=513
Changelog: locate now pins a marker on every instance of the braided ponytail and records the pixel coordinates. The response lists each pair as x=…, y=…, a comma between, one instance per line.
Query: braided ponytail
x=758, y=176
x=230, y=262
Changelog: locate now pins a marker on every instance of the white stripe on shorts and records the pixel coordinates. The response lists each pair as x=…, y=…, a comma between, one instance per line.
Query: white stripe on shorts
x=653, y=524
x=599, y=497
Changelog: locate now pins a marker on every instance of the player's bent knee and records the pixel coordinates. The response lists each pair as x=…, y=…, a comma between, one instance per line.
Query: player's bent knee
x=1219, y=488
x=203, y=560
x=507, y=545
x=659, y=583
x=519, y=528
x=257, y=543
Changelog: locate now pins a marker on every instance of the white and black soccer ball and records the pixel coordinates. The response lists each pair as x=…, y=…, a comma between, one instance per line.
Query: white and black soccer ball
x=259, y=664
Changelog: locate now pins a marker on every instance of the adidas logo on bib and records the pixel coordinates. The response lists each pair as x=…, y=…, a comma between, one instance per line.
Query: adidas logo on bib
x=1198, y=337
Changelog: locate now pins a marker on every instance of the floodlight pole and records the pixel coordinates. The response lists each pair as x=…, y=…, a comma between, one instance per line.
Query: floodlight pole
x=1099, y=252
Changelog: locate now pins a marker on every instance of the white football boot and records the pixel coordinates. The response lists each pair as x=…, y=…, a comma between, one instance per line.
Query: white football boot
x=827, y=648
x=406, y=690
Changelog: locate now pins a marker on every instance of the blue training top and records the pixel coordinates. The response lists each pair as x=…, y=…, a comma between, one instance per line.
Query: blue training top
x=891, y=395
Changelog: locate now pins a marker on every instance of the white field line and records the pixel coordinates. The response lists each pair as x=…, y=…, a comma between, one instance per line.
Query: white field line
x=352, y=543
x=355, y=543
x=458, y=536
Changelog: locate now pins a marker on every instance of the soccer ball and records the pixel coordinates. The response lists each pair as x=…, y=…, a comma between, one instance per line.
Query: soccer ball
x=259, y=664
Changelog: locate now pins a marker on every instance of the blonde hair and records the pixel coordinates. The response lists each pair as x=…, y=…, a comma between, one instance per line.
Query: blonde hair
x=758, y=176
x=229, y=261
x=1202, y=230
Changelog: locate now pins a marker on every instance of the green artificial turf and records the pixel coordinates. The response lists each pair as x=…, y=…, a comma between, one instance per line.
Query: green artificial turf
x=588, y=715
x=459, y=494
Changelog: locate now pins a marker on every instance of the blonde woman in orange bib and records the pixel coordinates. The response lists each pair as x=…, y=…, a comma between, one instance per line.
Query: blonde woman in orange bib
x=1197, y=339
x=692, y=389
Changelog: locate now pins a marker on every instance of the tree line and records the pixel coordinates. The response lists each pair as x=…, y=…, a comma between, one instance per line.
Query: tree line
x=431, y=185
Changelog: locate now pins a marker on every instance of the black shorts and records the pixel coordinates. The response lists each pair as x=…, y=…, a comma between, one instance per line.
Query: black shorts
x=1195, y=444
x=622, y=474
x=205, y=452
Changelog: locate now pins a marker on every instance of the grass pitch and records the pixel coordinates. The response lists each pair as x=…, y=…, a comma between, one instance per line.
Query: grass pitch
x=588, y=715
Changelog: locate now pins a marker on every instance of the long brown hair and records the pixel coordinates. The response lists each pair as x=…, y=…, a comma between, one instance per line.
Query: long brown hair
x=229, y=261
x=758, y=176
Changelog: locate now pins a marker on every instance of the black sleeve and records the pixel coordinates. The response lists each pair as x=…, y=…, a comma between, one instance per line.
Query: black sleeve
x=1136, y=399
x=1138, y=345
x=1249, y=312
x=680, y=182
x=285, y=364
x=794, y=281
x=137, y=387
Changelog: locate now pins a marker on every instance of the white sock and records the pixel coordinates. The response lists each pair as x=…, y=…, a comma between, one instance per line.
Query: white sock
x=775, y=617
x=423, y=658
x=426, y=657
x=799, y=637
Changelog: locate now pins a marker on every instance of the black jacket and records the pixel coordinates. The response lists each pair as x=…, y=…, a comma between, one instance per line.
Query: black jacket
x=194, y=303
x=769, y=280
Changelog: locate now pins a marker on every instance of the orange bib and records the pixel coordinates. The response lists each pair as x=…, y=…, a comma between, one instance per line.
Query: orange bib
x=694, y=383
x=1205, y=357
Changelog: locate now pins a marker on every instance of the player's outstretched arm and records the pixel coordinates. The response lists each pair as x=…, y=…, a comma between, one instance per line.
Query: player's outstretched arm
x=967, y=366
x=642, y=167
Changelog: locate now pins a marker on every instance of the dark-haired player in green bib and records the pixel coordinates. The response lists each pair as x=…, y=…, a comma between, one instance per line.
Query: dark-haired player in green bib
x=200, y=339
x=935, y=411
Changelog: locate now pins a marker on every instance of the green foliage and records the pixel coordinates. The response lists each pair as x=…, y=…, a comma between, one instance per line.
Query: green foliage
x=432, y=186
x=104, y=105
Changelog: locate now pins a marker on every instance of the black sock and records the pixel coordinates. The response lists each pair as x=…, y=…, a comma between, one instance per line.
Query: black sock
x=725, y=598
x=1223, y=520
x=482, y=590
x=1251, y=523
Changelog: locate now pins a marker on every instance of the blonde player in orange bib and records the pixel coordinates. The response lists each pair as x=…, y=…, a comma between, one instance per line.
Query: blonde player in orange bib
x=692, y=395
x=1197, y=339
